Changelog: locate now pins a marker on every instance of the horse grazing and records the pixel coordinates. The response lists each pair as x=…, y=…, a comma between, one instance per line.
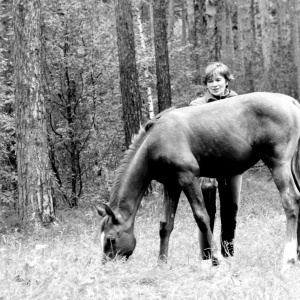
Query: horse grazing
x=219, y=139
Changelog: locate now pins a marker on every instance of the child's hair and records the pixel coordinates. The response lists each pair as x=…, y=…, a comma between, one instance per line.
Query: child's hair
x=217, y=68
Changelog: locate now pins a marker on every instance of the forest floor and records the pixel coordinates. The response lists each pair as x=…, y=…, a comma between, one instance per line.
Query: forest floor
x=64, y=262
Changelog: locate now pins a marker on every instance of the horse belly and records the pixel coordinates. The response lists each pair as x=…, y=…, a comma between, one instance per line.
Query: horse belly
x=228, y=163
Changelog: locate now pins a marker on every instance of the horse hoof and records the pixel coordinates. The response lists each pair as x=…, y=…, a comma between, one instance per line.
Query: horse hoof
x=287, y=265
x=162, y=260
x=216, y=260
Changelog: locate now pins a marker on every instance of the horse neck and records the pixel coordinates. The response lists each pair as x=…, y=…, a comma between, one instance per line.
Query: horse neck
x=131, y=183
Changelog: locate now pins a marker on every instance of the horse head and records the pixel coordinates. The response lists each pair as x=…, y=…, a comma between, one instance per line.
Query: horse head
x=116, y=239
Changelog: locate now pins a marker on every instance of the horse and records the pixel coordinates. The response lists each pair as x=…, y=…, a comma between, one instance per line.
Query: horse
x=218, y=139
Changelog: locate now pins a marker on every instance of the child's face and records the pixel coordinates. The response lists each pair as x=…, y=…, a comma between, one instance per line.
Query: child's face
x=217, y=85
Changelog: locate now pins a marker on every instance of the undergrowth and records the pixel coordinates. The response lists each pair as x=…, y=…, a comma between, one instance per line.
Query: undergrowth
x=64, y=262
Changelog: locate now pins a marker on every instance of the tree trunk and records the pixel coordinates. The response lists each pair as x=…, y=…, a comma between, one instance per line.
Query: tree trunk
x=146, y=68
x=200, y=51
x=161, y=55
x=73, y=148
x=246, y=31
x=266, y=40
x=130, y=93
x=190, y=9
x=283, y=81
x=222, y=29
x=240, y=42
x=183, y=19
x=151, y=25
x=171, y=18
x=283, y=28
x=35, y=201
x=212, y=45
x=295, y=11
x=230, y=44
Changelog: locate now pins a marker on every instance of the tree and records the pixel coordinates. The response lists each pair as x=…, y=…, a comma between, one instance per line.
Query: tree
x=266, y=39
x=212, y=44
x=130, y=93
x=35, y=201
x=295, y=12
x=161, y=55
x=147, y=72
x=183, y=20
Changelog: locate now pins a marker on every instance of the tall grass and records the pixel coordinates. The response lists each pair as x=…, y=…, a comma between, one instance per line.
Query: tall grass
x=64, y=262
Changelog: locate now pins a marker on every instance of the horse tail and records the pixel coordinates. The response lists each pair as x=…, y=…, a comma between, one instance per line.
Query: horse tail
x=296, y=166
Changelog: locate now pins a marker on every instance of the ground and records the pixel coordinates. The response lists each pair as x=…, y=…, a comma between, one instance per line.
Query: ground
x=64, y=262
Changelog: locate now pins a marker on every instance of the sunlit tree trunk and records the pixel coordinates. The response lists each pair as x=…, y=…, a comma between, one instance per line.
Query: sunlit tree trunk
x=161, y=55
x=146, y=68
x=131, y=98
x=35, y=201
x=151, y=24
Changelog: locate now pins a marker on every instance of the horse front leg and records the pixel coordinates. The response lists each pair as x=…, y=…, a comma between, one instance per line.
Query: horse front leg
x=298, y=236
x=171, y=198
x=193, y=192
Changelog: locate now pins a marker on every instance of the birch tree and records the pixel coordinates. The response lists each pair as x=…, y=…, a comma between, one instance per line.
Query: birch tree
x=146, y=67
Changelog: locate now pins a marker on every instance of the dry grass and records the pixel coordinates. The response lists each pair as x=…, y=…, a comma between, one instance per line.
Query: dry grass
x=64, y=262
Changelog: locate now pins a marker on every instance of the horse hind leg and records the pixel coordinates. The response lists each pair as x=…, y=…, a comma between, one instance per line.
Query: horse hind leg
x=290, y=201
x=171, y=198
x=209, y=197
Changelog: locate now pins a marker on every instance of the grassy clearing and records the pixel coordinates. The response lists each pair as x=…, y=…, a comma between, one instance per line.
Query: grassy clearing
x=64, y=262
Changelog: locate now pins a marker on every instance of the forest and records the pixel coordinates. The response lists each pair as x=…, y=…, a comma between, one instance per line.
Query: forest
x=101, y=68
x=77, y=80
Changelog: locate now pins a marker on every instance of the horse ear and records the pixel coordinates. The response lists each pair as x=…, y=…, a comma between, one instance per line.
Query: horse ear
x=105, y=210
x=101, y=211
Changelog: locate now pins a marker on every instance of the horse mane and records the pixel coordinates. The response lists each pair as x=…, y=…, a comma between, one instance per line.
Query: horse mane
x=155, y=120
x=119, y=175
x=134, y=146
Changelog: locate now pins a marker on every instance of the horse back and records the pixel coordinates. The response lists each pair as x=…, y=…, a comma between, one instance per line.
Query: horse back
x=227, y=136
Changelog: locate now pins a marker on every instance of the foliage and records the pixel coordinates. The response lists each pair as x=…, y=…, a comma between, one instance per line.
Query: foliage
x=80, y=66
x=81, y=72
x=8, y=178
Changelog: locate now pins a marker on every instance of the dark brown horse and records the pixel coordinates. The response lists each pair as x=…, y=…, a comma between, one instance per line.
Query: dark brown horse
x=219, y=139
